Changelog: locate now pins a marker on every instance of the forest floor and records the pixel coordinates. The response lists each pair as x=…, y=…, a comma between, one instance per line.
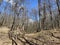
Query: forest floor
x=44, y=37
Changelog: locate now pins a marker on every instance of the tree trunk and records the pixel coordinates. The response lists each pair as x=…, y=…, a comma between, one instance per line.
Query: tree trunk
x=39, y=12
x=58, y=17
x=50, y=14
x=44, y=17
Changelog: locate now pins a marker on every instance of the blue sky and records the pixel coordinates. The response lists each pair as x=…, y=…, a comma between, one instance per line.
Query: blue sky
x=3, y=6
x=30, y=4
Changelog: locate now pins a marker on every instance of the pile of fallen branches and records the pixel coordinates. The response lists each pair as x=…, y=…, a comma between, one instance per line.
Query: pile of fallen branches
x=39, y=38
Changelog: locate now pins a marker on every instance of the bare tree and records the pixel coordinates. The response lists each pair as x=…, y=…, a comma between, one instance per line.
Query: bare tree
x=44, y=15
x=57, y=2
x=14, y=25
x=39, y=13
x=51, y=19
x=34, y=13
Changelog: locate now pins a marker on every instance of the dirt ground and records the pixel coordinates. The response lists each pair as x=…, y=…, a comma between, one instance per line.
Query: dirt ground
x=48, y=37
